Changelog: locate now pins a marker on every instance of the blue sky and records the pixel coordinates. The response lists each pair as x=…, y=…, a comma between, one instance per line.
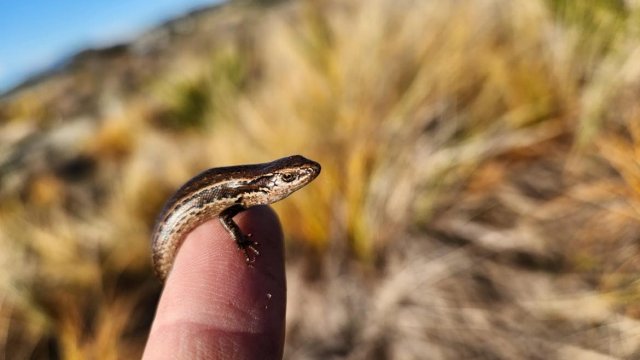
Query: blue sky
x=34, y=34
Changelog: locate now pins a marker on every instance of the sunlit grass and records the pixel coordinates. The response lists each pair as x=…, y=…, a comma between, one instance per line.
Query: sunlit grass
x=391, y=110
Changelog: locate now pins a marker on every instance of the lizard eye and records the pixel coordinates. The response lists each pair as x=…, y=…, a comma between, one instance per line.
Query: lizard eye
x=288, y=177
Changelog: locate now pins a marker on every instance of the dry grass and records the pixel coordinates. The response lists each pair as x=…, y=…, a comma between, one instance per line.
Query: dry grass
x=414, y=109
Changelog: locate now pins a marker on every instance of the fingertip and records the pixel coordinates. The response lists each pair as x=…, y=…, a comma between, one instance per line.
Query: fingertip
x=212, y=294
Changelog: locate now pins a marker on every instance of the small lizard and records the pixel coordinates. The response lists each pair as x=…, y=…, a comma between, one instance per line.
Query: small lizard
x=224, y=192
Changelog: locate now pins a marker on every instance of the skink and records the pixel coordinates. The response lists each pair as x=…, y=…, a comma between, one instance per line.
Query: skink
x=224, y=192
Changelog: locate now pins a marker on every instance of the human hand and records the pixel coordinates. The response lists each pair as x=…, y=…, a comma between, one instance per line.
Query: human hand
x=215, y=306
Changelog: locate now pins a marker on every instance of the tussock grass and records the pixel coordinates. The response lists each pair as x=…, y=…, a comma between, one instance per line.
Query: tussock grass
x=393, y=111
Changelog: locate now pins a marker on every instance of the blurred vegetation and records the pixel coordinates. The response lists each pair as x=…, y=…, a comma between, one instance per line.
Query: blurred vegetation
x=414, y=108
x=193, y=102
